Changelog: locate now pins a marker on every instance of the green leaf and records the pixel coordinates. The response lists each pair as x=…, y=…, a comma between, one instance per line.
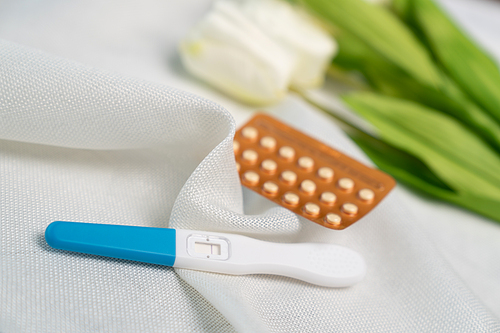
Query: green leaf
x=466, y=63
x=451, y=100
x=401, y=164
x=390, y=80
x=414, y=173
x=454, y=154
x=401, y=8
x=383, y=32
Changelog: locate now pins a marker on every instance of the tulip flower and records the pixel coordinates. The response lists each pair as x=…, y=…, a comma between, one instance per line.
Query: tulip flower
x=256, y=50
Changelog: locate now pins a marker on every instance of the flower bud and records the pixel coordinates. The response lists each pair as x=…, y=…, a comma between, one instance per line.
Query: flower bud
x=254, y=50
x=229, y=51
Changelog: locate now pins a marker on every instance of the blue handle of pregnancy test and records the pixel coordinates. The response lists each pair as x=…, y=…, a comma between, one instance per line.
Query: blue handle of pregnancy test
x=152, y=245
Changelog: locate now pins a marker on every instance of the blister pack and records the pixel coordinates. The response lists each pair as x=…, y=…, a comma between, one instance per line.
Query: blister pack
x=306, y=176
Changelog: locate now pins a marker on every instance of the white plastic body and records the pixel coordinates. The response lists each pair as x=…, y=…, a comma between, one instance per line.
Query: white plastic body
x=325, y=265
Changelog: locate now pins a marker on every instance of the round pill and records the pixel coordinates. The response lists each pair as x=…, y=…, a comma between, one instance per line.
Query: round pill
x=269, y=166
x=268, y=142
x=346, y=184
x=250, y=156
x=350, y=209
x=308, y=186
x=333, y=219
x=305, y=162
x=325, y=173
x=249, y=133
x=251, y=178
x=236, y=146
x=288, y=153
x=289, y=177
x=366, y=194
x=238, y=166
x=311, y=208
x=291, y=198
x=270, y=188
x=328, y=198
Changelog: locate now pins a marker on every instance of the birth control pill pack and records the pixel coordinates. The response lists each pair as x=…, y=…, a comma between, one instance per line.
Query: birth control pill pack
x=306, y=176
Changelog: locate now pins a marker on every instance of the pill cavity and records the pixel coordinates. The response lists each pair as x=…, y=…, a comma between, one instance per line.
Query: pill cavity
x=269, y=166
x=287, y=153
x=268, y=142
x=289, y=177
x=251, y=178
x=366, y=194
x=311, y=209
x=250, y=133
x=333, y=219
x=346, y=184
x=349, y=209
x=308, y=186
x=291, y=198
x=305, y=163
x=325, y=173
x=270, y=188
x=250, y=156
x=328, y=198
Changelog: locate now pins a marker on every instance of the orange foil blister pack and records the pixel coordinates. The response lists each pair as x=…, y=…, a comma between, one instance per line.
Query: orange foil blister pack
x=306, y=176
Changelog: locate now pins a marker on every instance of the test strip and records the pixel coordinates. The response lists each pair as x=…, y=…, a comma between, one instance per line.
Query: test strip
x=306, y=176
x=332, y=265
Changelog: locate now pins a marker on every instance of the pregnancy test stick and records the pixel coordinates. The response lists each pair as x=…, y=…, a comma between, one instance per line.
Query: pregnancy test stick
x=325, y=265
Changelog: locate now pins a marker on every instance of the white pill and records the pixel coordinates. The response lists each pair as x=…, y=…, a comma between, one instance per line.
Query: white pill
x=289, y=177
x=328, y=198
x=269, y=166
x=268, y=142
x=350, y=209
x=249, y=133
x=251, y=178
x=291, y=198
x=346, y=184
x=270, y=187
x=288, y=153
x=308, y=186
x=325, y=173
x=250, y=156
x=366, y=194
x=311, y=208
x=305, y=162
x=333, y=219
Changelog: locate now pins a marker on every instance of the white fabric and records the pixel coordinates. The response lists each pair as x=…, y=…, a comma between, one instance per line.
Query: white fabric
x=83, y=144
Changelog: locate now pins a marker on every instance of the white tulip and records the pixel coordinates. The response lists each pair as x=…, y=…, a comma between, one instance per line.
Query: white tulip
x=227, y=50
x=298, y=33
x=255, y=50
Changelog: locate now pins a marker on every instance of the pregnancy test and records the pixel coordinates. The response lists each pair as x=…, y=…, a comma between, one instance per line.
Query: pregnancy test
x=325, y=265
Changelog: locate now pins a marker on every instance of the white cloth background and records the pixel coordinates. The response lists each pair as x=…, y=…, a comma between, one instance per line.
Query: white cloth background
x=109, y=142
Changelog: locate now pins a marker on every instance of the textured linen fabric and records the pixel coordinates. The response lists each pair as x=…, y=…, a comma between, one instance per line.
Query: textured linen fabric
x=48, y=105
x=83, y=144
x=146, y=141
